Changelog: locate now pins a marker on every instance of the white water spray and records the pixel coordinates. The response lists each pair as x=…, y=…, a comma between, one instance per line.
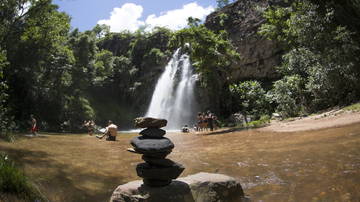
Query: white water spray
x=174, y=96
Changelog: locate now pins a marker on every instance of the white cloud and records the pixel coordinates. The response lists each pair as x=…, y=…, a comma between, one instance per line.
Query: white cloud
x=124, y=18
x=177, y=19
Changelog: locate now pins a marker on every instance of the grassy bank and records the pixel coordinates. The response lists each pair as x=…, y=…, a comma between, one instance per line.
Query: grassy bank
x=14, y=181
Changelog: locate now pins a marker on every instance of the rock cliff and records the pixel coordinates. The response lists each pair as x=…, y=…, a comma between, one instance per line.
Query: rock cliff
x=259, y=55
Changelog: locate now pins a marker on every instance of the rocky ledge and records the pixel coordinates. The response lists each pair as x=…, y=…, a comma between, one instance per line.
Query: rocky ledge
x=200, y=187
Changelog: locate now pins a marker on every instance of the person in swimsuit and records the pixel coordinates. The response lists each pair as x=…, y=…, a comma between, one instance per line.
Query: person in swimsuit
x=90, y=126
x=214, y=121
x=33, y=128
x=204, y=121
x=209, y=120
x=199, y=117
x=110, y=132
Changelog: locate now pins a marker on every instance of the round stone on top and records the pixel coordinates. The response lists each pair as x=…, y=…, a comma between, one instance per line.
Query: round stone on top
x=143, y=122
x=153, y=132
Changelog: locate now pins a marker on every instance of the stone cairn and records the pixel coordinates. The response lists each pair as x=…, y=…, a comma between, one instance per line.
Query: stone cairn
x=157, y=171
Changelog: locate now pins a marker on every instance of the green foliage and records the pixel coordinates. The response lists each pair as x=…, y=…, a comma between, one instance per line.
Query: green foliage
x=287, y=94
x=9, y=136
x=101, y=30
x=251, y=98
x=321, y=60
x=4, y=119
x=14, y=180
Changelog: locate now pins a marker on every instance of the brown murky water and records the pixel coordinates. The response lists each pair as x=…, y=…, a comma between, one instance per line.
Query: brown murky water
x=321, y=165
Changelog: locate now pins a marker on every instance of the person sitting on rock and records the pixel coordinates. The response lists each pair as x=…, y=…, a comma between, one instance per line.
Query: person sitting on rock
x=185, y=129
x=110, y=132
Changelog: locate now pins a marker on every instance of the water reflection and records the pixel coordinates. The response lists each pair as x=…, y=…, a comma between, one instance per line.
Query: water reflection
x=320, y=165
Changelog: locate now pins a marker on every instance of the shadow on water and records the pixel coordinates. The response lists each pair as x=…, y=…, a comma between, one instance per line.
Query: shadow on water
x=321, y=165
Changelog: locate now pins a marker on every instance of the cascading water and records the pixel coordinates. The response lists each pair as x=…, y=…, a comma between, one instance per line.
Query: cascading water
x=174, y=96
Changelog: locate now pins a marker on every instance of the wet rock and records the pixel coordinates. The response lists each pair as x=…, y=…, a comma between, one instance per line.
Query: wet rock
x=150, y=145
x=148, y=171
x=159, y=161
x=153, y=132
x=143, y=122
x=200, y=187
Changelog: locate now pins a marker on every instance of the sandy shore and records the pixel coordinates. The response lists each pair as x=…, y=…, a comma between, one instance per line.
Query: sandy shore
x=328, y=119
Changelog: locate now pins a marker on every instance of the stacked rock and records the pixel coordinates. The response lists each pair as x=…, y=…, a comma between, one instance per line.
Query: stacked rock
x=157, y=171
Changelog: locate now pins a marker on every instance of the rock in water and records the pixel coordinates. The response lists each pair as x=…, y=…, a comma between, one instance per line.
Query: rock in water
x=201, y=187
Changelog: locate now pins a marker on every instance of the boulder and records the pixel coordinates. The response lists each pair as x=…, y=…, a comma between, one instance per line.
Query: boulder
x=143, y=122
x=237, y=118
x=153, y=132
x=276, y=117
x=201, y=187
x=150, y=145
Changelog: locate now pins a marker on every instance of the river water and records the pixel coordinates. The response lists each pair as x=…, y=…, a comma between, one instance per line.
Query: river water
x=319, y=165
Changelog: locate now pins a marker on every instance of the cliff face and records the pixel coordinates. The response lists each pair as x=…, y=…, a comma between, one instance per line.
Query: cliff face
x=242, y=21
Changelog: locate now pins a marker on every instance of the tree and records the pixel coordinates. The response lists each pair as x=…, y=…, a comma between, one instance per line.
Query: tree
x=320, y=53
x=251, y=98
x=32, y=33
x=5, y=120
x=222, y=3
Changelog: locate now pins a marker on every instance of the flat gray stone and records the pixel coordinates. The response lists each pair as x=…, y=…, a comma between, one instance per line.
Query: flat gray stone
x=143, y=122
x=150, y=145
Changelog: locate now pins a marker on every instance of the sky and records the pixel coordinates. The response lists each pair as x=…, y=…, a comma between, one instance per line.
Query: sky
x=130, y=15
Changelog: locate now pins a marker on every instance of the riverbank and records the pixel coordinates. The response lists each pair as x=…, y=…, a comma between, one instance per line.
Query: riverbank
x=332, y=118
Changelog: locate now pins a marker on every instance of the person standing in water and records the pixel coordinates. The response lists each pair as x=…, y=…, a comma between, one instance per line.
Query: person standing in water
x=199, y=117
x=214, y=121
x=110, y=132
x=90, y=126
x=210, y=120
x=204, y=122
x=33, y=128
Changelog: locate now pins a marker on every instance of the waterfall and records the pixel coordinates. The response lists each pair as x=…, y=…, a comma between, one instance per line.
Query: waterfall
x=174, y=97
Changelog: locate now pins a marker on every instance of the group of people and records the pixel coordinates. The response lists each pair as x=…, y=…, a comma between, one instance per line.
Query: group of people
x=110, y=130
x=205, y=121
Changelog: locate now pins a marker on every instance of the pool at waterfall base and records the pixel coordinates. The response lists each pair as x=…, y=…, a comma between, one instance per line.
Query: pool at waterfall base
x=318, y=165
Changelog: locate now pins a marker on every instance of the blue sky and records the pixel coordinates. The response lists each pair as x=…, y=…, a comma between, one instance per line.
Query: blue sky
x=129, y=15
